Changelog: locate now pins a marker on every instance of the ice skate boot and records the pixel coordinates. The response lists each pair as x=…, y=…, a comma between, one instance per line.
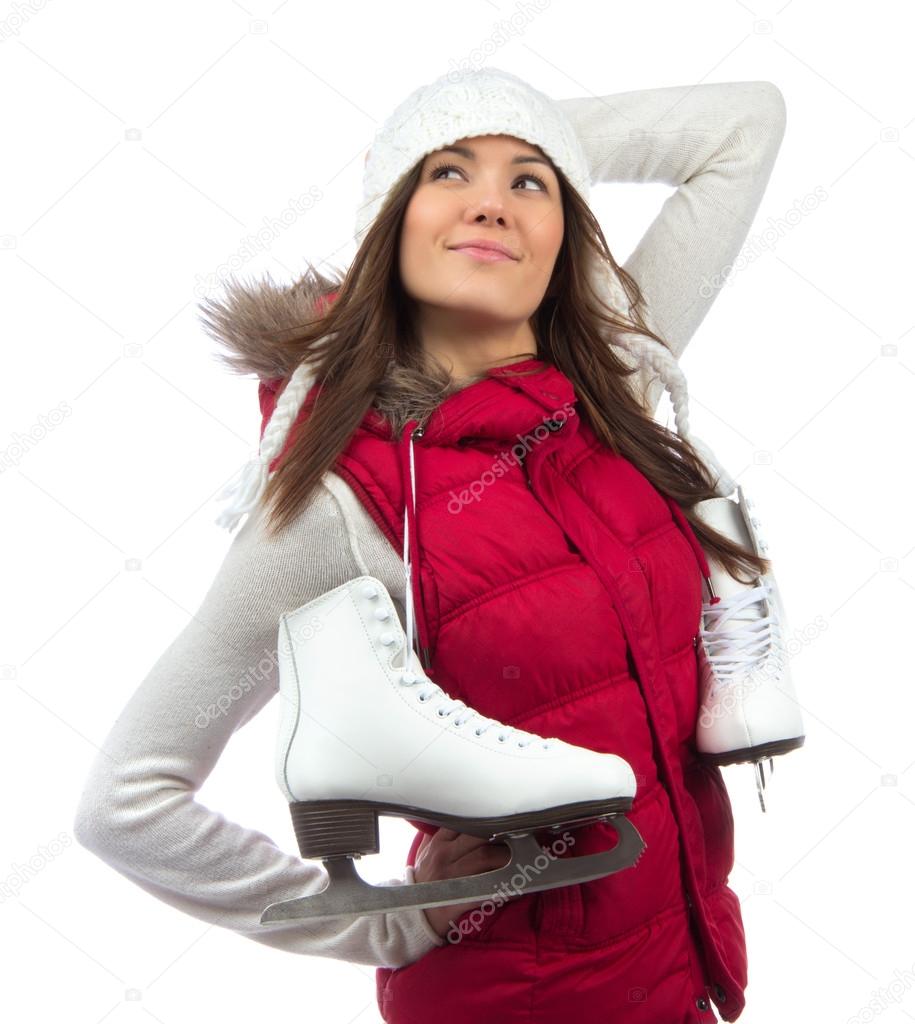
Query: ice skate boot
x=748, y=708
x=364, y=732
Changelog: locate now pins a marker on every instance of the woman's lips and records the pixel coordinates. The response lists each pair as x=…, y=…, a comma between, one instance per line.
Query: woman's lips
x=485, y=255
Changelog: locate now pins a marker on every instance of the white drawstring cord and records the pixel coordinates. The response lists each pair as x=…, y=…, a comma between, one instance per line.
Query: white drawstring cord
x=408, y=569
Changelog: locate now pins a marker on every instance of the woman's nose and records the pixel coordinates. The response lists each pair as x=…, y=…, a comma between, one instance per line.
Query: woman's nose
x=488, y=204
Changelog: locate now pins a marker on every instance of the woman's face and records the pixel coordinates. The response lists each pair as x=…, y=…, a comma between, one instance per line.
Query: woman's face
x=487, y=192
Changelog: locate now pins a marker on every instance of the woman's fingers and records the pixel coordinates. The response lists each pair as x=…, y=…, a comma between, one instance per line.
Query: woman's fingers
x=479, y=851
x=449, y=853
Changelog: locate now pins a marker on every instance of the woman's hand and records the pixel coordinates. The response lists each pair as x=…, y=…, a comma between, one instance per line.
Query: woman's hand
x=450, y=854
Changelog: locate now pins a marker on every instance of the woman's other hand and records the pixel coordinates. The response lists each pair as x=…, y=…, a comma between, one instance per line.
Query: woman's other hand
x=450, y=854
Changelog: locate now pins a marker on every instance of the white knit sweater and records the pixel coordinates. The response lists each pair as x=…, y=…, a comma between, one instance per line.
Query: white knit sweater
x=717, y=143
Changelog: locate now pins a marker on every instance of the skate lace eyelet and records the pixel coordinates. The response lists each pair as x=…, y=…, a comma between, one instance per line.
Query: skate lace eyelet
x=382, y=613
x=501, y=739
x=440, y=713
x=477, y=732
x=369, y=591
x=387, y=639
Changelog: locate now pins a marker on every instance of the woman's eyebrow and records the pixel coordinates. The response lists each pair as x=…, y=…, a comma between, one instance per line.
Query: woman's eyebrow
x=522, y=158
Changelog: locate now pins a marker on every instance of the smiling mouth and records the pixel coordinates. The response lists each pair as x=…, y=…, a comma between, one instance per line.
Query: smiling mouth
x=485, y=255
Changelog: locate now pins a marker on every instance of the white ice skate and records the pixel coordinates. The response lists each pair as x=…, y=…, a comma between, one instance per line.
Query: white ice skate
x=748, y=711
x=365, y=732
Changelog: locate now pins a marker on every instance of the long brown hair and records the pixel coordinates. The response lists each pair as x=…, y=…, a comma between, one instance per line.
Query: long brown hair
x=364, y=351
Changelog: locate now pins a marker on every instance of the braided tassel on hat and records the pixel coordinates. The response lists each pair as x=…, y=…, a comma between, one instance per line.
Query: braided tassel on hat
x=671, y=376
x=650, y=352
x=247, y=487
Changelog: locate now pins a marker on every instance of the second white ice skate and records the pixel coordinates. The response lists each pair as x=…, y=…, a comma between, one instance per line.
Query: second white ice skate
x=749, y=711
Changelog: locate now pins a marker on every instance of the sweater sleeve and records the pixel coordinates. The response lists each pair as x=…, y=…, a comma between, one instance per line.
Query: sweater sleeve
x=138, y=811
x=716, y=143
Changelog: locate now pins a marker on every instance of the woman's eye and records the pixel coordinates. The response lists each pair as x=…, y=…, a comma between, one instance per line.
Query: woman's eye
x=533, y=177
x=438, y=172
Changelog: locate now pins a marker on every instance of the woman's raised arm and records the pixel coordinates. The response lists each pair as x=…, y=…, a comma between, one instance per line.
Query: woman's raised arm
x=717, y=143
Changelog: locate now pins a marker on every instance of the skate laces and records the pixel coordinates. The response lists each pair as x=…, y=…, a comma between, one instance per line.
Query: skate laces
x=744, y=644
x=450, y=705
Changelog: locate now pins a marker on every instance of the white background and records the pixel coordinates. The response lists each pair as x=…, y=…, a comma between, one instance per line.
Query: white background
x=145, y=145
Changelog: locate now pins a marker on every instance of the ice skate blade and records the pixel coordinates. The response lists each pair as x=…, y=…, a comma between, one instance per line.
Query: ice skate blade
x=758, y=753
x=347, y=895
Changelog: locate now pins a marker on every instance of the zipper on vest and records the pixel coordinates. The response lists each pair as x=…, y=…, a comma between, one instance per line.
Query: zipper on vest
x=424, y=657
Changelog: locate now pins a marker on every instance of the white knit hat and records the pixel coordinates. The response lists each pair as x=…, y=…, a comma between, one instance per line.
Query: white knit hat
x=465, y=104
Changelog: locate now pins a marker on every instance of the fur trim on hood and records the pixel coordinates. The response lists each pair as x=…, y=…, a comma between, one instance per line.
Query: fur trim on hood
x=241, y=319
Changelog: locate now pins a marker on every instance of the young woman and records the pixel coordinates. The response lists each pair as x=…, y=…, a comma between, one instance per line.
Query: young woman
x=558, y=582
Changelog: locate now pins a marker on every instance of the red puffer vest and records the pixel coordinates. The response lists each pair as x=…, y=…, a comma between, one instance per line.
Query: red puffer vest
x=556, y=590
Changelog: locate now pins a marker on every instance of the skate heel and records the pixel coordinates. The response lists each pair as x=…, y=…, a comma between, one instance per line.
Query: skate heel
x=334, y=828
